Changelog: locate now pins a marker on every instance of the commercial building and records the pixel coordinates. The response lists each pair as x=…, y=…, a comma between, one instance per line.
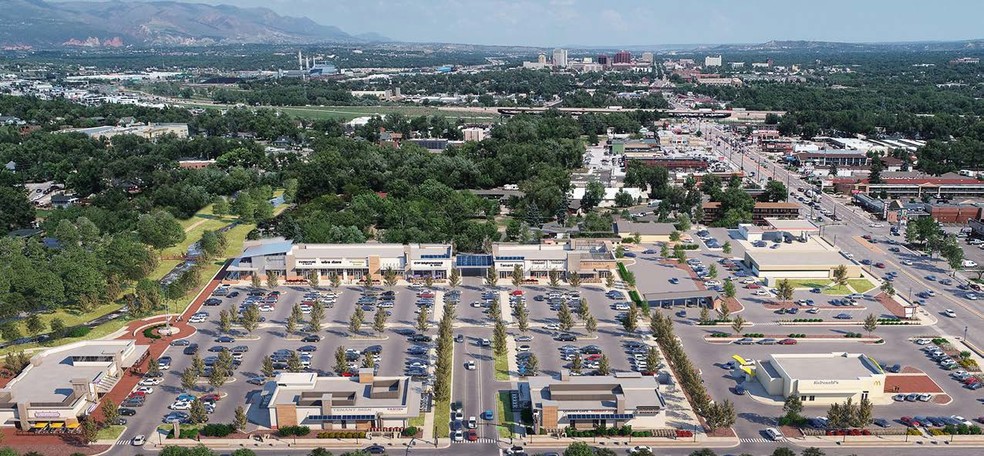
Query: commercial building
x=626, y=398
x=712, y=61
x=810, y=259
x=560, y=58
x=473, y=134
x=149, y=131
x=894, y=210
x=592, y=259
x=364, y=403
x=698, y=298
x=836, y=157
x=623, y=57
x=351, y=262
x=823, y=378
x=713, y=212
x=648, y=233
x=63, y=384
x=914, y=185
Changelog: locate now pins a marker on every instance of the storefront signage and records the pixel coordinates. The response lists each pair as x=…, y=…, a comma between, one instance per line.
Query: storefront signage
x=47, y=414
x=826, y=382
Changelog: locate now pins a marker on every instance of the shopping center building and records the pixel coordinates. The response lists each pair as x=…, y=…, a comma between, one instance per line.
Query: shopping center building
x=823, y=378
x=63, y=384
x=359, y=403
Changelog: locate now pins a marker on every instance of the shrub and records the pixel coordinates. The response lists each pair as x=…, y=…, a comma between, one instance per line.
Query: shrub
x=344, y=434
x=151, y=332
x=287, y=431
x=218, y=430
x=78, y=331
x=188, y=433
x=409, y=432
x=753, y=335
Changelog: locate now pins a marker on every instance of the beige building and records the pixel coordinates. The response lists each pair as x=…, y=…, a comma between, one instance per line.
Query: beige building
x=360, y=403
x=823, y=378
x=149, y=131
x=771, y=258
x=626, y=398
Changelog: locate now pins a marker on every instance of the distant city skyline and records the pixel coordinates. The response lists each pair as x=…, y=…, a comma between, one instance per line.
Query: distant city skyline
x=552, y=23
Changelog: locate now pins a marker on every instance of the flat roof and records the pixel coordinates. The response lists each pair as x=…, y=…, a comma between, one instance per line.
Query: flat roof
x=790, y=224
x=637, y=390
x=288, y=388
x=826, y=366
x=778, y=257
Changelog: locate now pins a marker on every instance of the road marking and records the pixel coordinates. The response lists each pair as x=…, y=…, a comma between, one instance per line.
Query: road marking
x=480, y=440
x=760, y=440
x=868, y=245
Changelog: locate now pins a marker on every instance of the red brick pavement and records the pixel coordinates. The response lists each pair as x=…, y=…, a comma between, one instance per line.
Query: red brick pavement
x=157, y=346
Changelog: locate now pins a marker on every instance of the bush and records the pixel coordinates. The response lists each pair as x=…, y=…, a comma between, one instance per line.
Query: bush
x=78, y=331
x=753, y=335
x=151, y=332
x=287, y=431
x=853, y=335
x=796, y=335
x=409, y=432
x=720, y=334
x=345, y=434
x=218, y=430
x=188, y=433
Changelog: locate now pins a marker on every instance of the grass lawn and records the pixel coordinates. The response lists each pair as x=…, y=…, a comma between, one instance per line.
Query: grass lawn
x=827, y=286
x=417, y=421
x=163, y=267
x=503, y=406
x=72, y=318
x=203, y=220
x=110, y=432
x=861, y=285
x=501, y=367
x=442, y=419
x=100, y=331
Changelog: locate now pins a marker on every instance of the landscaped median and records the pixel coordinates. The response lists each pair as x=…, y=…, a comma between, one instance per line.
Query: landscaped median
x=501, y=363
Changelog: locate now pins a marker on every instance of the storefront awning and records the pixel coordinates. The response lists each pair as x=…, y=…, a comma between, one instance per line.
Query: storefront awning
x=41, y=425
x=72, y=425
x=58, y=425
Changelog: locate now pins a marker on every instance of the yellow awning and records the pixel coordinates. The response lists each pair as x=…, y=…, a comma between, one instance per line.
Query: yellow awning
x=40, y=425
x=748, y=370
x=72, y=425
x=57, y=425
x=741, y=361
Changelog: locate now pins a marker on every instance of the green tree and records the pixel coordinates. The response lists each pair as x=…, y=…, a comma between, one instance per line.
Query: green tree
x=379, y=322
x=577, y=364
x=522, y=317
x=604, y=367
x=566, y=320
x=591, y=324
x=273, y=280
x=579, y=449
x=784, y=290
x=729, y=288
x=57, y=327
x=532, y=366
x=712, y=271
x=517, y=276
x=189, y=378
x=423, y=320
x=652, y=359
x=89, y=430
x=34, y=324
x=315, y=317
x=631, y=320
x=334, y=279
x=294, y=362
x=888, y=288
x=664, y=250
x=110, y=411
x=499, y=337
x=291, y=326
x=812, y=451
x=220, y=206
x=240, y=419
x=582, y=308
x=783, y=451
x=593, y=195
x=390, y=278
x=792, y=408
x=153, y=369
x=573, y=279
x=250, y=319
x=454, y=279
x=737, y=325
x=341, y=363
x=218, y=377
x=159, y=229
x=356, y=320
x=197, y=413
x=554, y=278
x=840, y=275
x=491, y=277
x=255, y=280
x=267, y=367
x=726, y=248
x=197, y=364
x=314, y=278
x=609, y=281
x=674, y=236
x=870, y=324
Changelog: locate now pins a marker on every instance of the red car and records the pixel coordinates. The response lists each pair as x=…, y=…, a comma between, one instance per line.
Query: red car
x=753, y=286
x=517, y=293
x=971, y=380
x=472, y=436
x=908, y=421
x=211, y=397
x=880, y=265
x=788, y=341
x=137, y=393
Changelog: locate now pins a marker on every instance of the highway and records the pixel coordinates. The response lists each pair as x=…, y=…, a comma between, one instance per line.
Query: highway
x=846, y=235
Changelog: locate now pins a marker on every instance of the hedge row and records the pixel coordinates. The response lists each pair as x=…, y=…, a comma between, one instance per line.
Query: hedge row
x=342, y=435
x=217, y=430
x=151, y=332
x=287, y=431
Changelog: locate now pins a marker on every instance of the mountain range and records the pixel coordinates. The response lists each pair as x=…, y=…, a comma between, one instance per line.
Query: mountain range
x=114, y=23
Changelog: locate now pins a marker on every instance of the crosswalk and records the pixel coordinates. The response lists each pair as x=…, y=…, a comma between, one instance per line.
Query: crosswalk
x=760, y=440
x=480, y=440
x=124, y=442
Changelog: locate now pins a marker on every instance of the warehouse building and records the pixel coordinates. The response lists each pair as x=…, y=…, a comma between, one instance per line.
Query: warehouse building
x=360, y=403
x=626, y=398
x=824, y=378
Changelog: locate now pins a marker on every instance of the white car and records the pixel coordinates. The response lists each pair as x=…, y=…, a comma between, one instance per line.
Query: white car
x=876, y=225
x=470, y=365
x=950, y=313
x=523, y=348
x=145, y=389
x=139, y=440
x=923, y=341
x=151, y=381
x=971, y=296
x=748, y=280
x=552, y=327
x=907, y=262
x=180, y=405
x=640, y=449
x=773, y=434
x=761, y=292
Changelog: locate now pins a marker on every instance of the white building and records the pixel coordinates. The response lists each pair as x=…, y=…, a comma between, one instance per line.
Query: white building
x=560, y=58
x=473, y=134
x=712, y=61
x=822, y=378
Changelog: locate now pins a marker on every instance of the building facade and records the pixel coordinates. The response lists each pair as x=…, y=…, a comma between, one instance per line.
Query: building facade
x=824, y=378
x=713, y=212
x=626, y=398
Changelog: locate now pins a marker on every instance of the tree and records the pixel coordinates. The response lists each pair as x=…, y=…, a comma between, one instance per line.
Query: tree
x=775, y=191
x=379, y=322
x=576, y=364
x=721, y=415
x=674, y=236
x=34, y=324
x=255, y=280
x=429, y=281
x=840, y=275
x=334, y=279
x=110, y=411
x=321, y=452
x=683, y=222
x=294, y=362
x=218, y=376
x=652, y=359
x=724, y=312
x=159, y=229
x=565, y=317
x=593, y=195
x=423, y=320
x=604, y=368
x=864, y=414
x=57, y=327
x=240, y=419
x=784, y=290
x=225, y=320
x=792, y=407
x=197, y=364
x=153, y=369
x=267, y=368
x=499, y=337
x=591, y=324
x=726, y=248
x=494, y=310
x=738, y=324
x=783, y=451
x=631, y=320
x=390, y=278
x=189, y=379
x=705, y=316
x=888, y=288
x=870, y=324
x=729, y=288
x=315, y=317
x=355, y=321
x=554, y=278
x=573, y=279
x=291, y=326
x=341, y=362
x=609, y=281
x=712, y=271
x=314, y=278
x=812, y=451
x=273, y=280
x=664, y=250
x=491, y=277
x=953, y=254
x=89, y=430
x=454, y=280
x=517, y=276
x=579, y=449
x=197, y=413
x=250, y=319
x=582, y=309
x=532, y=366
x=522, y=317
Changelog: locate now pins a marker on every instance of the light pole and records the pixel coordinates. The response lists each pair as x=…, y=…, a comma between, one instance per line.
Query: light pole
x=965, y=333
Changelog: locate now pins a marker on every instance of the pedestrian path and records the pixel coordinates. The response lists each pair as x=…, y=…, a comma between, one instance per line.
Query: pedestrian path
x=760, y=440
x=480, y=440
x=123, y=442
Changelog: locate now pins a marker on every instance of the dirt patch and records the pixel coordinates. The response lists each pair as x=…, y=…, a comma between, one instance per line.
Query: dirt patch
x=723, y=432
x=911, y=383
x=791, y=431
x=733, y=305
x=942, y=399
x=893, y=306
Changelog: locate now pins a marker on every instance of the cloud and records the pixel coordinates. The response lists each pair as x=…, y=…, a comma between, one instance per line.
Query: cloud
x=614, y=20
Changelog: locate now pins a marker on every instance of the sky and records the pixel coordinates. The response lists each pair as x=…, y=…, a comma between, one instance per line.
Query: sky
x=639, y=22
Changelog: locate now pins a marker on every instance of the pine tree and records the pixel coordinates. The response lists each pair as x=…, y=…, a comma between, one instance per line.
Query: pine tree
x=565, y=318
x=240, y=420
x=499, y=337
x=591, y=324
x=379, y=322
x=576, y=364
x=454, y=280
x=197, y=413
x=423, y=320
x=341, y=363
x=294, y=362
x=604, y=367
x=267, y=368
x=250, y=319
